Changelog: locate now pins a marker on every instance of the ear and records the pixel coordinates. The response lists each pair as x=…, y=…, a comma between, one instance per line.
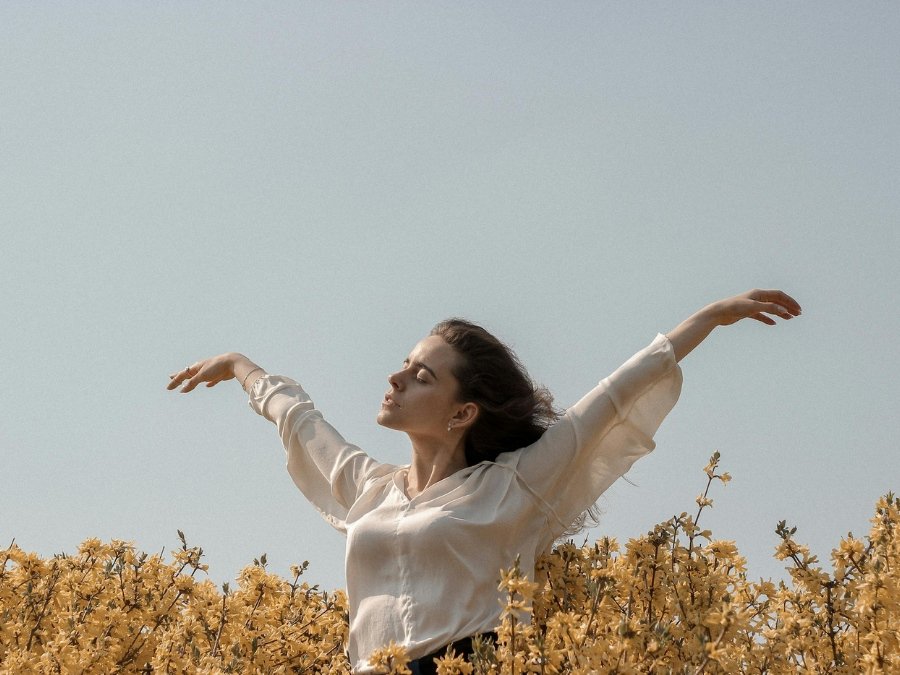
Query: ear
x=466, y=415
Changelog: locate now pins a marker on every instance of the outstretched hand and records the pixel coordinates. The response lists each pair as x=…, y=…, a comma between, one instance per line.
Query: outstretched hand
x=211, y=371
x=756, y=304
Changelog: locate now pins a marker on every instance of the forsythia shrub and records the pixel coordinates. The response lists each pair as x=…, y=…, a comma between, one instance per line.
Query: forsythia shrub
x=674, y=600
x=110, y=609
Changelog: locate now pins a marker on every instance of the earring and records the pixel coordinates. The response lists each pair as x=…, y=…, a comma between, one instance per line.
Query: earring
x=449, y=427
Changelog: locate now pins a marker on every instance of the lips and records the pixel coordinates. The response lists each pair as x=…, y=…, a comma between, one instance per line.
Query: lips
x=388, y=401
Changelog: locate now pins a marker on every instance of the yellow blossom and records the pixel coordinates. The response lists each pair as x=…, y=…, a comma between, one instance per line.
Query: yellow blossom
x=673, y=600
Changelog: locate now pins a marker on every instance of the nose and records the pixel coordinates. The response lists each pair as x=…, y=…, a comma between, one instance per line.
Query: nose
x=394, y=379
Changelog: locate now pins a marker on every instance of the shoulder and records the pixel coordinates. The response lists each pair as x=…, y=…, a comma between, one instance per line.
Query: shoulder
x=380, y=475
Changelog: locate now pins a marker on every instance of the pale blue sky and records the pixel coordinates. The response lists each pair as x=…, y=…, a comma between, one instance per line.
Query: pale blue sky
x=316, y=184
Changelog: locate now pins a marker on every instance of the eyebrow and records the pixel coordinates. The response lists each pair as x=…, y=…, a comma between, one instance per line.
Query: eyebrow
x=419, y=364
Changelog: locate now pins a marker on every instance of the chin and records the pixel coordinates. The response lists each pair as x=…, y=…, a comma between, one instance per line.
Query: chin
x=388, y=423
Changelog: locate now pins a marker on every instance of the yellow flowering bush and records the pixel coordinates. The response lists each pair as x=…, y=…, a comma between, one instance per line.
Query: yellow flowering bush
x=110, y=609
x=674, y=600
x=678, y=600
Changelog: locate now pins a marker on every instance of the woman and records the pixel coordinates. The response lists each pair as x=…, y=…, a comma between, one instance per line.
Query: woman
x=495, y=473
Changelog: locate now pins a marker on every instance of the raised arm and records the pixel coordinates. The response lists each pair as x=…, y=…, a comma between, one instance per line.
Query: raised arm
x=603, y=434
x=330, y=471
x=756, y=304
x=217, y=369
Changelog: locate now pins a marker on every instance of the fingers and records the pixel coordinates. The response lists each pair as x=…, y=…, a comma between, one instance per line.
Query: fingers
x=189, y=375
x=214, y=381
x=190, y=384
x=792, y=305
x=771, y=302
x=761, y=310
x=210, y=371
x=777, y=310
x=785, y=303
x=178, y=378
x=761, y=305
x=764, y=319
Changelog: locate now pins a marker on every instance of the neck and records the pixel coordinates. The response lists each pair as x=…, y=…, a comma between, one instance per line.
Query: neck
x=433, y=461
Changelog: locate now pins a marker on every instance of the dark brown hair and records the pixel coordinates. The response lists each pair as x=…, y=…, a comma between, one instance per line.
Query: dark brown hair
x=513, y=411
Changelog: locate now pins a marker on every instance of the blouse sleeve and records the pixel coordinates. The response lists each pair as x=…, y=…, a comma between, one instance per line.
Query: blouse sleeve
x=329, y=471
x=600, y=437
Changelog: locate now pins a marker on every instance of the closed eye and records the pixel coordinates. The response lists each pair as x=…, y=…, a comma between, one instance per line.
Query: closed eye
x=419, y=364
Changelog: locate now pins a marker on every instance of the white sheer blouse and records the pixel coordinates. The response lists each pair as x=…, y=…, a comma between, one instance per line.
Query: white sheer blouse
x=423, y=572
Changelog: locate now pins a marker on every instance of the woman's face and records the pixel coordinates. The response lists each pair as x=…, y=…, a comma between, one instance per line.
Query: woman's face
x=422, y=399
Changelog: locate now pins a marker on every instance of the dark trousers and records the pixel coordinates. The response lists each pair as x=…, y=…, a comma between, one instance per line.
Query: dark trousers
x=426, y=665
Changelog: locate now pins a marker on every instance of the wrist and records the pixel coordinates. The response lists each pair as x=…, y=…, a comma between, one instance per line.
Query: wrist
x=236, y=360
x=712, y=315
x=251, y=376
x=694, y=330
x=245, y=371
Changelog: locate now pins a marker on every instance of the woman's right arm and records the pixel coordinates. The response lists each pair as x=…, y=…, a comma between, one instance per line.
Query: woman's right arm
x=217, y=369
x=330, y=471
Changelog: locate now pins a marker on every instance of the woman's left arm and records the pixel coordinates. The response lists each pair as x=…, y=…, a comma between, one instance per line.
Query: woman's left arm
x=756, y=304
x=603, y=434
